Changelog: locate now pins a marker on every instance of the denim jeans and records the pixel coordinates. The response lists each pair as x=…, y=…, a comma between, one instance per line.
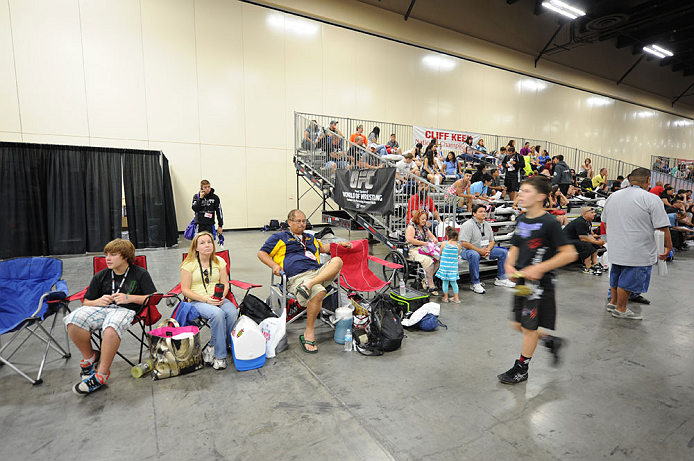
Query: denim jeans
x=473, y=259
x=381, y=149
x=221, y=320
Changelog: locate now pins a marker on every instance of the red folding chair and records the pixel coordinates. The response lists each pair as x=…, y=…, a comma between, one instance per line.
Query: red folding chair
x=224, y=254
x=355, y=274
x=147, y=316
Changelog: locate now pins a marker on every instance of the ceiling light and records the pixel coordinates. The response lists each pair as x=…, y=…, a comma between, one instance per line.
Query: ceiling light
x=438, y=62
x=657, y=51
x=563, y=9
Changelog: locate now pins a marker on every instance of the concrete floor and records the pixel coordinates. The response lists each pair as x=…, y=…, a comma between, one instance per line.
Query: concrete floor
x=624, y=392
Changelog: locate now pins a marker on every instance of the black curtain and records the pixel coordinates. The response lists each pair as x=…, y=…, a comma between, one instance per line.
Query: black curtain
x=23, y=227
x=67, y=199
x=144, y=199
x=104, y=198
x=169, y=204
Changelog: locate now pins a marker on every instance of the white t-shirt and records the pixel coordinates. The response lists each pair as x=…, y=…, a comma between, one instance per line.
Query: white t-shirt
x=405, y=167
x=631, y=216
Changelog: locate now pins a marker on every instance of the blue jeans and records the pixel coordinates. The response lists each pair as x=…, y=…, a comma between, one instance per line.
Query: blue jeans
x=381, y=149
x=629, y=278
x=473, y=259
x=221, y=320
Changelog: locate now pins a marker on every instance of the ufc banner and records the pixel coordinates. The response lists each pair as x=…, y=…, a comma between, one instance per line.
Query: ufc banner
x=365, y=191
x=448, y=140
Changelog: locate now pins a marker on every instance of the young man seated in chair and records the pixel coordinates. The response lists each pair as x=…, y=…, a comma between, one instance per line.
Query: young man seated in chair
x=297, y=253
x=114, y=296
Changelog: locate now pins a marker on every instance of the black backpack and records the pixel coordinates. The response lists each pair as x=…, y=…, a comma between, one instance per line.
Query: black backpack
x=385, y=332
x=255, y=308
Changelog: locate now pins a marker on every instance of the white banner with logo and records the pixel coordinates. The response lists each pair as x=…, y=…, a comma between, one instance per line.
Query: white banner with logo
x=448, y=140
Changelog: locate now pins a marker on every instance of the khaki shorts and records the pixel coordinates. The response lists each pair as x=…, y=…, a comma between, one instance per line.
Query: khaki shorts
x=424, y=260
x=298, y=279
x=451, y=199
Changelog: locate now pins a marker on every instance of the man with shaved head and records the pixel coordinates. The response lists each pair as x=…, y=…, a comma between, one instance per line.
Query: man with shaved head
x=579, y=232
x=630, y=216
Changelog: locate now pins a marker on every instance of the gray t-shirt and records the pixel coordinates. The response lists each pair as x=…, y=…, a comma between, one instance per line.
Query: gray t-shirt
x=392, y=144
x=631, y=215
x=473, y=232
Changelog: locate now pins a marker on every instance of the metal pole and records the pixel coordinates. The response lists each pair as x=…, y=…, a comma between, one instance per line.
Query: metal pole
x=630, y=69
x=554, y=35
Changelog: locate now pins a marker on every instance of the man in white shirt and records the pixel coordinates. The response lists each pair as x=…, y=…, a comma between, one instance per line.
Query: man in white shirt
x=631, y=215
x=477, y=240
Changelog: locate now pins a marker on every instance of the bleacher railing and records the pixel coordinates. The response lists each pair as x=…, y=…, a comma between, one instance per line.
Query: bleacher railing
x=677, y=172
x=319, y=155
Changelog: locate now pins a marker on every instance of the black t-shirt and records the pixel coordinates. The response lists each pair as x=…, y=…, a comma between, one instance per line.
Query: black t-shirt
x=355, y=154
x=664, y=194
x=576, y=228
x=138, y=282
x=537, y=240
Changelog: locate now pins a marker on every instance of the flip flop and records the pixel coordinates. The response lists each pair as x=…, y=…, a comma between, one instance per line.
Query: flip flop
x=304, y=342
x=433, y=292
x=302, y=290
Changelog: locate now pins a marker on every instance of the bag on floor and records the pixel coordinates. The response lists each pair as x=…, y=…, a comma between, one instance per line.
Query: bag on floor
x=274, y=329
x=409, y=302
x=430, y=312
x=385, y=330
x=175, y=350
x=430, y=322
x=255, y=308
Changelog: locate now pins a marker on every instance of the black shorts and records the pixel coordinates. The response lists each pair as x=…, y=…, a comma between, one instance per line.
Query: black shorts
x=584, y=249
x=511, y=181
x=564, y=188
x=538, y=309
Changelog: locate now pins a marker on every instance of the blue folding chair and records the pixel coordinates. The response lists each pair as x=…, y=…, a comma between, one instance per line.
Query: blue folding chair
x=27, y=298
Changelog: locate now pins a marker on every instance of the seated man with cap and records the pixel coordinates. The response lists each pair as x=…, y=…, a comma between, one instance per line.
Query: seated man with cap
x=579, y=233
x=296, y=253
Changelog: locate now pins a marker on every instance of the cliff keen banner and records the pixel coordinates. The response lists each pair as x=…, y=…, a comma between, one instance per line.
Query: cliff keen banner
x=365, y=191
x=448, y=140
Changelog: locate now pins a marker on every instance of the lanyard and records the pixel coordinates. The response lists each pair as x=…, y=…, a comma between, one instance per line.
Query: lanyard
x=113, y=281
x=299, y=239
x=481, y=228
x=202, y=276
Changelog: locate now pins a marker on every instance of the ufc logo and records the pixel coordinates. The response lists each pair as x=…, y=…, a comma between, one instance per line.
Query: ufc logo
x=359, y=179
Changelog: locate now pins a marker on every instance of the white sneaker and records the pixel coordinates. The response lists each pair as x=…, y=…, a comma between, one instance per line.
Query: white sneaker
x=504, y=283
x=219, y=364
x=629, y=314
x=478, y=288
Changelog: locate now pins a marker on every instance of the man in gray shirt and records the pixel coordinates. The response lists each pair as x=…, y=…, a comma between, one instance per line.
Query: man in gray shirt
x=477, y=240
x=631, y=215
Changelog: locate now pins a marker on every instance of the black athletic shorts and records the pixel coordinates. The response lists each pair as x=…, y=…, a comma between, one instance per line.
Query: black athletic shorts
x=205, y=228
x=584, y=249
x=538, y=309
x=511, y=181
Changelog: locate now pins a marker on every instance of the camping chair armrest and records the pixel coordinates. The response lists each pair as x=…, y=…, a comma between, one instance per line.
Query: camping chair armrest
x=177, y=290
x=244, y=285
x=77, y=296
x=383, y=262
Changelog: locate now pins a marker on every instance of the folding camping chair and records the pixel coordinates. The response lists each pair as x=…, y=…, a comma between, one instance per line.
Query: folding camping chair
x=355, y=274
x=230, y=295
x=27, y=299
x=147, y=316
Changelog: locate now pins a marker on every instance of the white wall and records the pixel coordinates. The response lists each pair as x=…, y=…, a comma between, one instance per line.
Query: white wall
x=214, y=84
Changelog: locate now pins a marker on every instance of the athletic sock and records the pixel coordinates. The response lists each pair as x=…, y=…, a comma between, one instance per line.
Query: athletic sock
x=102, y=379
x=87, y=362
x=525, y=361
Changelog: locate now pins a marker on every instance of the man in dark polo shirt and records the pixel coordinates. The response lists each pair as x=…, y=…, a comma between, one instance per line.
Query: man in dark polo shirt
x=579, y=233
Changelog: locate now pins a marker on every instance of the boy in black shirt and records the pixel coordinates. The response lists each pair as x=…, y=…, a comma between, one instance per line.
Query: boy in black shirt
x=113, y=298
x=538, y=246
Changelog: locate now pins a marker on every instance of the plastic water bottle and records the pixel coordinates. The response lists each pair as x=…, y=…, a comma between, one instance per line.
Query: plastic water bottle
x=348, y=340
x=402, y=287
x=143, y=368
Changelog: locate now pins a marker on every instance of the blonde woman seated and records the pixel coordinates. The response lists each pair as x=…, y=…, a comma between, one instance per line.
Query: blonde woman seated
x=200, y=271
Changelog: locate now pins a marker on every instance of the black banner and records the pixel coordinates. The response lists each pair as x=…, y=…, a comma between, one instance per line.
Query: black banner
x=365, y=191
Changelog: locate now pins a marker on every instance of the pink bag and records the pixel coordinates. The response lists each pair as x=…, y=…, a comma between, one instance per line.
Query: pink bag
x=168, y=332
x=432, y=250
